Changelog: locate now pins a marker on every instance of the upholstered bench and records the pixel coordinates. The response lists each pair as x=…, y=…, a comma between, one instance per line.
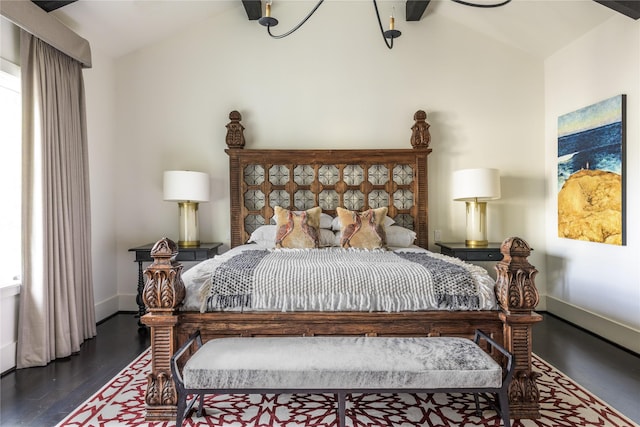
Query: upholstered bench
x=341, y=366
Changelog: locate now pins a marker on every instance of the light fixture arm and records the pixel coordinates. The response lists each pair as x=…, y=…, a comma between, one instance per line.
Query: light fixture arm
x=466, y=3
x=389, y=34
x=272, y=22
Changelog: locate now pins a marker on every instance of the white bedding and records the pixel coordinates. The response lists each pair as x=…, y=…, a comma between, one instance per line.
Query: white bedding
x=198, y=277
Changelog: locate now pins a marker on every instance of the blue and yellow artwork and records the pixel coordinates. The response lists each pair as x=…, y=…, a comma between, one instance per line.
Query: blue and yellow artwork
x=591, y=171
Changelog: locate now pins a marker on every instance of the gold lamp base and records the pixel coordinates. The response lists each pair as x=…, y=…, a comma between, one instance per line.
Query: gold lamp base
x=476, y=243
x=476, y=224
x=188, y=224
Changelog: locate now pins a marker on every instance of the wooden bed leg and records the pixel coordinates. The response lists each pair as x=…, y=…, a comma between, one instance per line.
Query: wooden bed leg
x=517, y=295
x=163, y=292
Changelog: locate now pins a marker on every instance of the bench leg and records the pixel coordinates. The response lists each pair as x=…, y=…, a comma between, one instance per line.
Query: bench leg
x=181, y=409
x=476, y=397
x=184, y=408
x=503, y=397
x=201, y=411
x=341, y=397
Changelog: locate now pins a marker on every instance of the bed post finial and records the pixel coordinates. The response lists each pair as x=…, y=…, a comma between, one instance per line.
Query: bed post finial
x=420, y=137
x=163, y=289
x=515, y=286
x=235, y=131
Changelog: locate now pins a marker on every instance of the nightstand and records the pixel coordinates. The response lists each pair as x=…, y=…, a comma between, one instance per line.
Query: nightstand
x=191, y=254
x=491, y=252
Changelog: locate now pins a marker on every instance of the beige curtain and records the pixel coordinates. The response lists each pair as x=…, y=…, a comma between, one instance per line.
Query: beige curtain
x=56, y=301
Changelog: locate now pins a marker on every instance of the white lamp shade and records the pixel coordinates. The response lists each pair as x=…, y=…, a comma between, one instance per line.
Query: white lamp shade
x=476, y=185
x=186, y=186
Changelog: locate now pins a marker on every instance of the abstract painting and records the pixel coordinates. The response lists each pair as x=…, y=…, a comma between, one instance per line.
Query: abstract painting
x=591, y=196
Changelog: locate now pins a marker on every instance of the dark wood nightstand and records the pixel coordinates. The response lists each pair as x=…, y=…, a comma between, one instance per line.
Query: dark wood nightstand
x=192, y=254
x=491, y=252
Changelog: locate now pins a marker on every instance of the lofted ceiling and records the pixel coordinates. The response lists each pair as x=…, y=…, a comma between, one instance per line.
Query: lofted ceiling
x=539, y=27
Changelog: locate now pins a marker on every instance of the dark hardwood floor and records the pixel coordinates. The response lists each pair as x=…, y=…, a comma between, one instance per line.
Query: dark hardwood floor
x=606, y=370
x=43, y=396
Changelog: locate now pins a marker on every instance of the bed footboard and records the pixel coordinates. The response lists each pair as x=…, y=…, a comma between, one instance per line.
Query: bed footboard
x=515, y=289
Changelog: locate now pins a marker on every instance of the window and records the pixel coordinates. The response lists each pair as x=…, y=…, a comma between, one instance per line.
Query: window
x=10, y=173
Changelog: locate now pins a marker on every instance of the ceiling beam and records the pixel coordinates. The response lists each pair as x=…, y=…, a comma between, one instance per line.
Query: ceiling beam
x=49, y=5
x=630, y=8
x=253, y=9
x=416, y=8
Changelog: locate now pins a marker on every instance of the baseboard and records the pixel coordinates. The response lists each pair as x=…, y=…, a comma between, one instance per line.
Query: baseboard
x=615, y=332
x=116, y=304
x=106, y=308
x=127, y=302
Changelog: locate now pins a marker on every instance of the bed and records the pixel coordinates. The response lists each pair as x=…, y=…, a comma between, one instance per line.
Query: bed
x=277, y=191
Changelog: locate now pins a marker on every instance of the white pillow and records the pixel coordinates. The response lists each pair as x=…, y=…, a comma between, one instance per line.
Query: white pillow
x=265, y=237
x=325, y=220
x=327, y=238
x=335, y=223
x=399, y=236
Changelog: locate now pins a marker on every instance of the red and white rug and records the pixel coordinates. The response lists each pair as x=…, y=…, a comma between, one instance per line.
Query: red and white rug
x=563, y=404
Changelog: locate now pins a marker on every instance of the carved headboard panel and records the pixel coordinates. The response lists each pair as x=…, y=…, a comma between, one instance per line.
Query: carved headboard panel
x=353, y=179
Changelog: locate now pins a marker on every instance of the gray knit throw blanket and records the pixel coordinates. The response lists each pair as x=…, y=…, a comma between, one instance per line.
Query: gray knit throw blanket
x=336, y=279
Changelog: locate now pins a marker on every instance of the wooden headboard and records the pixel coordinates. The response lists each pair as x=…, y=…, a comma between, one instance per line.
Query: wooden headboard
x=353, y=179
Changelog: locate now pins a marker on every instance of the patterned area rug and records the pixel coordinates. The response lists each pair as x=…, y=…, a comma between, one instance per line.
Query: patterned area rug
x=564, y=404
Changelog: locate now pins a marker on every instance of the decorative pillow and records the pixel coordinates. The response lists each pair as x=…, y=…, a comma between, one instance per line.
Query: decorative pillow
x=364, y=230
x=399, y=236
x=335, y=223
x=297, y=229
x=265, y=237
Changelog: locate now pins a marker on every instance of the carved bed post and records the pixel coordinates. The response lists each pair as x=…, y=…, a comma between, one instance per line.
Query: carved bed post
x=235, y=141
x=420, y=140
x=517, y=294
x=163, y=292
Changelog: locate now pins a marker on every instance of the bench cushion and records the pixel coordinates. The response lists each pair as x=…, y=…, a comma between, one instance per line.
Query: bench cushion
x=341, y=363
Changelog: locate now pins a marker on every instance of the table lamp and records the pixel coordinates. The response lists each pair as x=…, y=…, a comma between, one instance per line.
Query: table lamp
x=188, y=188
x=476, y=187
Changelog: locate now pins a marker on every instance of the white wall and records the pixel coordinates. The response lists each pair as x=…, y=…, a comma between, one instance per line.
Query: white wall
x=596, y=285
x=489, y=105
x=99, y=84
x=332, y=84
x=335, y=84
